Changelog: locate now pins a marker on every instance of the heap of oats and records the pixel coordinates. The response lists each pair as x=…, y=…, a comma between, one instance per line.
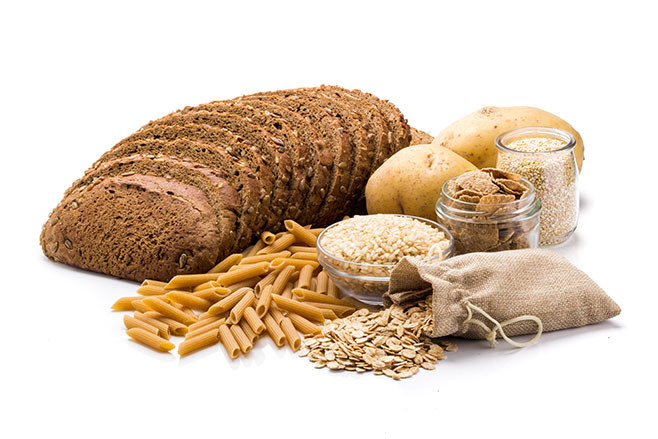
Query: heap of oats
x=388, y=342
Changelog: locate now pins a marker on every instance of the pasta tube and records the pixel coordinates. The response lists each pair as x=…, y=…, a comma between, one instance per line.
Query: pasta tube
x=201, y=341
x=258, y=246
x=163, y=329
x=274, y=330
x=304, y=326
x=138, y=305
x=282, y=279
x=323, y=282
x=154, y=283
x=151, y=290
x=267, y=237
x=332, y=289
x=189, y=280
x=253, y=320
x=229, y=342
x=149, y=339
x=264, y=301
x=126, y=303
x=301, y=308
x=291, y=334
x=287, y=292
x=317, y=231
x=302, y=234
x=251, y=335
x=228, y=302
x=313, y=296
x=204, y=322
x=302, y=249
x=211, y=295
x=189, y=300
x=175, y=327
x=328, y=314
x=168, y=310
x=339, y=310
x=305, y=275
x=305, y=256
x=242, y=339
x=132, y=322
x=232, y=277
x=267, y=280
x=282, y=243
x=238, y=310
x=264, y=258
x=227, y=263
x=297, y=263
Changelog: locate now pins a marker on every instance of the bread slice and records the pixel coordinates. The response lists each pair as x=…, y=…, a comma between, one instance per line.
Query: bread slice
x=236, y=172
x=332, y=133
x=134, y=227
x=419, y=137
x=275, y=158
x=221, y=195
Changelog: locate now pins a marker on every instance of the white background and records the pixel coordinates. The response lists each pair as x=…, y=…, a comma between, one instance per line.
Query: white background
x=77, y=77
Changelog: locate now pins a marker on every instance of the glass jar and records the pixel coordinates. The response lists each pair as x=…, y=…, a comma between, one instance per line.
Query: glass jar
x=477, y=227
x=545, y=157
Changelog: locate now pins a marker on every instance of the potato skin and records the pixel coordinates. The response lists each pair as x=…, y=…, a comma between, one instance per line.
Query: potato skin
x=472, y=136
x=410, y=181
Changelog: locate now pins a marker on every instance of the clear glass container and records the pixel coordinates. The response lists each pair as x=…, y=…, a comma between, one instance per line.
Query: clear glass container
x=368, y=282
x=545, y=157
x=479, y=227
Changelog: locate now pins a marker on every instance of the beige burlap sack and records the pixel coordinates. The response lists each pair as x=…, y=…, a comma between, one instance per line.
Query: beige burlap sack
x=489, y=295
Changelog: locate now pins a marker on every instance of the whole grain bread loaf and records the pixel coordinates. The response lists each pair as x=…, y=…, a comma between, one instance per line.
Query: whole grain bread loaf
x=188, y=189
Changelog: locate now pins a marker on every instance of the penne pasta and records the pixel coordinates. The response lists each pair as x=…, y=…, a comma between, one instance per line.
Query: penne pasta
x=340, y=310
x=305, y=276
x=317, y=231
x=229, y=342
x=305, y=256
x=138, y=305
x=204, y=322
x=154, y=283
x=168, y=310
x=232, y=277
x=314, y=284
x=302, y=249
x=264, y=301
x=304, y=326
x=279, y=284
x=211, y=294
x=276, y=313
x=163, y=328
x=201, y=341
x=293, y=338
x=126, y=303
x=301, y=234
x=258, y=246
x=313, y=296
x=242, y=339
x=332, y=289
x=227, y=303
x=151, y=290
x=267, y=237
x=287, y=291
x=149, y=339
x=328, y=314
x=251, y=282
x=227, y=263
x=203, y=329
x=206, y=285
x=297, y=263
x=282, y=243
x=322, y=282
x=274, y=330
x=301, y=308
x=253, y=320
x=238, y=310
x=251, y=335
x=267, y=280
x=189, y=300
x=175, y=327
x=131, y=322
x=189, y=280
x=264, y=258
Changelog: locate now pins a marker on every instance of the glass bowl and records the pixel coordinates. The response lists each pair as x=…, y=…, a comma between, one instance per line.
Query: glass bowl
x=368, y=282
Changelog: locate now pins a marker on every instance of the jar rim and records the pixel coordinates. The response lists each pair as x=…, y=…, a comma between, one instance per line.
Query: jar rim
x=527, y=183
x=566, y=136
x=532, y=210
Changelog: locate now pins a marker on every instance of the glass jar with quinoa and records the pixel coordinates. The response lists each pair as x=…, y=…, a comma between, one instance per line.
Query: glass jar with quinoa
x=545, y=157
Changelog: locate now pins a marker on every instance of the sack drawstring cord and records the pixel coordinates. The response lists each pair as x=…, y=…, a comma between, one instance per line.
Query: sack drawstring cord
x=498, y=327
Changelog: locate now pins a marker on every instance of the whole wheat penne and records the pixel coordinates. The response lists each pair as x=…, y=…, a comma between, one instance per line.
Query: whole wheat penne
x=305, y=276
x=258, y=246
x=253, y=320
x=304, y=326
x=340, y=310
x=229, y=342
x=151, y=290
x=322, y=282
x=229, y=301
x=302, y=234
x=176, y=328
x=168, y=310
x=332, y=289
x=301, y=308
x=189, y=300
x=131, y=322
x=314, y=284
x=305, y=256
x=205, y=285
x=287, y=291
x=312, y=296
x=279, y=235
x=125, y=303
x=302, y=249
x=203, y=329
x=276, y=313
x=186, y=309
x=155, y=283
x=149, y=339
x=242, y=339
x=138, y=305
x=278, y=263
x=282, y=279
x=201, y=341
x=264, y=258
x=211, y=295
x=251, y=282
x=227, y=263
x=267, y=280
x=251, y=335
x=264, y=301
x=328, y=314
x=232, y=277
x=201, y=323
x=241, y=267
x=280, y=244
x=293, y=338
x=189, y=280
x=274, y=330
x=238, y=310
x=317, y=231
x=267, y=237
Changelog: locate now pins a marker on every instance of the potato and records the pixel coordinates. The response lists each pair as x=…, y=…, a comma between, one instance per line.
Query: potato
x=472, y=136
x=410, y=181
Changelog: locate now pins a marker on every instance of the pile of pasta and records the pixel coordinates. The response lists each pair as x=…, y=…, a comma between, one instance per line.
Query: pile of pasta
x=276, y=288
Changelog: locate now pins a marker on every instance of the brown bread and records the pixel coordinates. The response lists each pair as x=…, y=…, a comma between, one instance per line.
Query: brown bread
x=419, y=137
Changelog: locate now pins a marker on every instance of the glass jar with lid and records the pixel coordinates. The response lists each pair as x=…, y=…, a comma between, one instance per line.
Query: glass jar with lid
x=545, y=157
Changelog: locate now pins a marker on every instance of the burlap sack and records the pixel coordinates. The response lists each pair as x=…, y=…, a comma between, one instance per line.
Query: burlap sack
x=476, y=295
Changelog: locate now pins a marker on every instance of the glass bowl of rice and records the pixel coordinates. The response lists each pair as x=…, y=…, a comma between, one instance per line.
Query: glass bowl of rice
x=359, y=253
